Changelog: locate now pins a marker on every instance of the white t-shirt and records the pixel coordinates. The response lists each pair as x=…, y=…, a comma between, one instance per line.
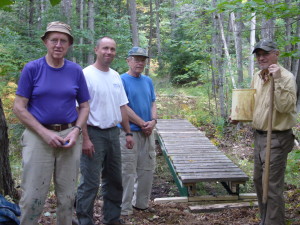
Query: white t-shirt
x=107, y=96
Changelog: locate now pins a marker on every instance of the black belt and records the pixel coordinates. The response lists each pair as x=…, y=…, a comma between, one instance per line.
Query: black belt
x=273, y=131
x=59, y=127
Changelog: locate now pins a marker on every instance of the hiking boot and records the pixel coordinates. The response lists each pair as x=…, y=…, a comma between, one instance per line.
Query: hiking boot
x=120, y=221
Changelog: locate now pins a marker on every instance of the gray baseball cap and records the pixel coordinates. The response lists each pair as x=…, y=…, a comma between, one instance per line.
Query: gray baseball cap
x=137, y=51
x=266, y=45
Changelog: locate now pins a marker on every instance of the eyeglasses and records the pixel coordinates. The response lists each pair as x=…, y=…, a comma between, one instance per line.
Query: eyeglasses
x=55, y=41
x=137, y=60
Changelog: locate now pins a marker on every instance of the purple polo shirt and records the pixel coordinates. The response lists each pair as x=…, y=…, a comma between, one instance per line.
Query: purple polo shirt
x=52, y=92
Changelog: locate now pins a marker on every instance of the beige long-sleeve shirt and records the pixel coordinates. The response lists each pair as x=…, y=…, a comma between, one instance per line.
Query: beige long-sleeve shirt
x=285, y=97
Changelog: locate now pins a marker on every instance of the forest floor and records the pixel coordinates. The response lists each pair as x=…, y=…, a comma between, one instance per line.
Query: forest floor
x=178, y=213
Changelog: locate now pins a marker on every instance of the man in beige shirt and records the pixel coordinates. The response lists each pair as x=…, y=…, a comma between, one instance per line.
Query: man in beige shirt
x=284, y=118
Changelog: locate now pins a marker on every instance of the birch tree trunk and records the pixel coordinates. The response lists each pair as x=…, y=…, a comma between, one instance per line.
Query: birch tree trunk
x=252, y=43
x=41, y=5
x=91, y=27
x=237, y=26
x=133, y=22
x=6, y=180
x=226, y=51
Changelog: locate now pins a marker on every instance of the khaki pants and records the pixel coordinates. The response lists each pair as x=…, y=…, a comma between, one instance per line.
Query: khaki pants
x=138, y=166
x=40, y=163
x=281, y=144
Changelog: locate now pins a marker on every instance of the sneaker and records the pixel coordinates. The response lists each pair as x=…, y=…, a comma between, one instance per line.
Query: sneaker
x=75, y=221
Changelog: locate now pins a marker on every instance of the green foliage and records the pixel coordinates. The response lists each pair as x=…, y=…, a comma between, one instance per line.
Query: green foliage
x=4, y=3
x=292, y=169
x=54, y=2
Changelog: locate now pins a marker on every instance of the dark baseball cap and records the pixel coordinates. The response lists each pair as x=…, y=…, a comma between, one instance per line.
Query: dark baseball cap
x=266, y=45
x=137, y=51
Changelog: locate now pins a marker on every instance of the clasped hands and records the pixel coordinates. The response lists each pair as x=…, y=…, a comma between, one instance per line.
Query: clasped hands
x=148, y=127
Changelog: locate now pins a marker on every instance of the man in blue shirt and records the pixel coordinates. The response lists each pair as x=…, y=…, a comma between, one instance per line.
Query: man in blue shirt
x=138, y=164
x=46, y=104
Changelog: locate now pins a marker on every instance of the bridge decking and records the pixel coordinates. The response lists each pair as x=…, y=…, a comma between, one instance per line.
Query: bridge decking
x=192, y=157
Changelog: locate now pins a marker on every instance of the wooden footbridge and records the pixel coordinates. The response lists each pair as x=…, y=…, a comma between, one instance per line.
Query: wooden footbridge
x=192, y=158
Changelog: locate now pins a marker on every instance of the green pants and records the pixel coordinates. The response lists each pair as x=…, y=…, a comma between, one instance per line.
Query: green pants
x=105, y=163
x=281, y=144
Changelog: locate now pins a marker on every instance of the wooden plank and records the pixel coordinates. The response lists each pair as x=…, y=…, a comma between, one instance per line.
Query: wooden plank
x=203, y=160
x=171, y=199
x=197, y=199
x=207, y=170
x=218, y=207
x=248, y=196
x=206, y=165
x=187, y=180
x=213, y=198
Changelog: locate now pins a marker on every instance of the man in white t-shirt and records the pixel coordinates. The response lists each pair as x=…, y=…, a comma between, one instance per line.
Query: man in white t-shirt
x=101, y=147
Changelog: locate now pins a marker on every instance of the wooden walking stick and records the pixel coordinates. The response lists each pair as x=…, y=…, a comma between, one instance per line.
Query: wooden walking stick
x=268, y=153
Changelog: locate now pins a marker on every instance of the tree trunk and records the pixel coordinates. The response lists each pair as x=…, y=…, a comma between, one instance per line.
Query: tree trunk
x=296, y=60
x=6, y=180
x=173, y=19
x=296, y=63
x=267, y=27
x=66, y=8
x=237, y=27
x=226, y=51
x=79, y=11
x=158, y=41
x=133, y=22
x=31, y=18
x=150, y=39
x=217, y=73
x=91, y=27
x=252, y=43
x=41, y=12
x=287, y=63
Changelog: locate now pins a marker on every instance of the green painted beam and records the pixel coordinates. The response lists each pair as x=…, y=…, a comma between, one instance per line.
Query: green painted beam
x=182, y=189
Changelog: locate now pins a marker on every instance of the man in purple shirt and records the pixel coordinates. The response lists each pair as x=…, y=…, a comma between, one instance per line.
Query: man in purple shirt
x=46, y=104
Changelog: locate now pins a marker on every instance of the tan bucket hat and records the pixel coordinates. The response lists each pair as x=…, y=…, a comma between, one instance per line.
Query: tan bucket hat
x=61, y=27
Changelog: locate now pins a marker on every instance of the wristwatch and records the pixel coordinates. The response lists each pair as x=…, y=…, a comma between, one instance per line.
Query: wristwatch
x=79, y=128
x=129, y=134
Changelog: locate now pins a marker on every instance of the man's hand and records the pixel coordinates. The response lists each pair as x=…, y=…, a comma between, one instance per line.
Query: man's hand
x=70, y=140
x=52, y=139
x=148, y=127
x=88, y=148
x=129, y=142
x=274, y=70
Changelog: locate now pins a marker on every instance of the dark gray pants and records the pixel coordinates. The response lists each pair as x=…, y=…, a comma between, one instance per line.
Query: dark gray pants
x=281, y=144
x=107, y=163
